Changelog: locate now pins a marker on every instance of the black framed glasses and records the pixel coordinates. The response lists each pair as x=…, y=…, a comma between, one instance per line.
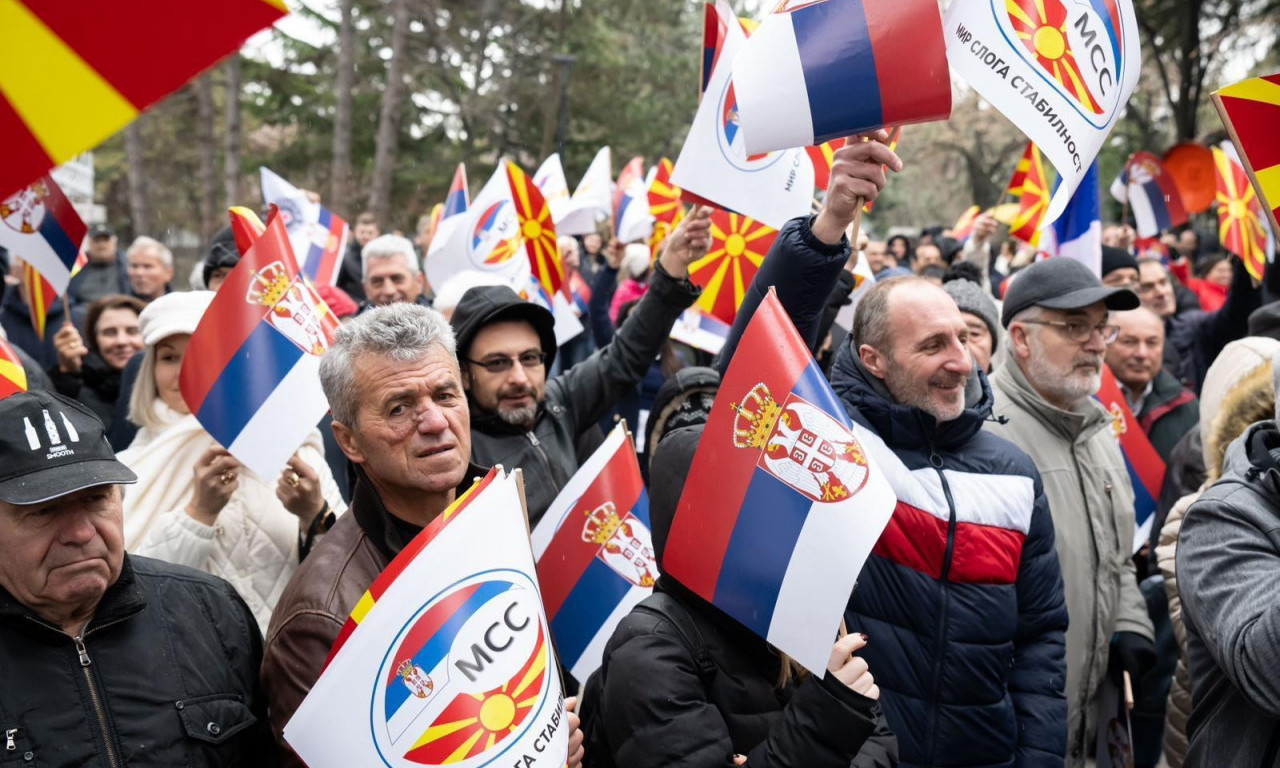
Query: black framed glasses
x=1080, y=333
x=503, y=364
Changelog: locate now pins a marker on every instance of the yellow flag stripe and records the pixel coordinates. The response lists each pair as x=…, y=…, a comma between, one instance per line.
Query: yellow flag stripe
x=1269, y=184
x=444, y=729
x=362, y=608
x=65, y=103
x=1255, y=89
x=13, y=372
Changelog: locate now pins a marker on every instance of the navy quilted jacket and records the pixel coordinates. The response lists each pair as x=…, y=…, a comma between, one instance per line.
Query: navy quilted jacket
x=962, y=597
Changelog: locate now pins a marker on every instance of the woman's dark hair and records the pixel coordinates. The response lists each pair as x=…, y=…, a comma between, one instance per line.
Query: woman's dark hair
x=100, y=305
x=1206, y=263
x=906, y=241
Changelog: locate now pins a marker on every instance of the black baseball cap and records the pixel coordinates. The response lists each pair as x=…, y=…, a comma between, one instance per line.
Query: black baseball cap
x=488, y=304
x=101, y=230
x=51, y=446
x=1062, y=283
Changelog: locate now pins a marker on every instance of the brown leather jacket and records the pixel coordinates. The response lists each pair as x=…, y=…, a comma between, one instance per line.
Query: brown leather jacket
x=319, y=598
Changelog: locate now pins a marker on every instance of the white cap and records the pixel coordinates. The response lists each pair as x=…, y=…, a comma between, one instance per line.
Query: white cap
x=173, y=313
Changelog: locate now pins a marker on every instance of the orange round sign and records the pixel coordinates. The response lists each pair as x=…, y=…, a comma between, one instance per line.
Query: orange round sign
x=1191, y=166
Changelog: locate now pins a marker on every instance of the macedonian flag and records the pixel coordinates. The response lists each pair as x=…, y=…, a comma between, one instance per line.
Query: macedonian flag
x=1021, y=170
x=13, y=377
x=1041, y=25
x=536, y=230
x=664, y=205
x=1251, y=111
x=1240, y=228
x=74, y=73
x=1035, y=193
x=738, y=246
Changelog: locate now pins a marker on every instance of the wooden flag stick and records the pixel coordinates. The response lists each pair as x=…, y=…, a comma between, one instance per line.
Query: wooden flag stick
x=1128, y=691
x=844, y=628
x=859, y=203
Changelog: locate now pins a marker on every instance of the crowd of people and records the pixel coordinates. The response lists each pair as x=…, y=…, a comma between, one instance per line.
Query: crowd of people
x=161, y=604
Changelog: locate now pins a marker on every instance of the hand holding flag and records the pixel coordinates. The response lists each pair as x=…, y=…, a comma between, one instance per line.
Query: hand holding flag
x=857, y=176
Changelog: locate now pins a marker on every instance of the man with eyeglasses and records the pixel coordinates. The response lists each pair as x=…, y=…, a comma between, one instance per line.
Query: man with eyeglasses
x=519, y=418
x=1057, y=320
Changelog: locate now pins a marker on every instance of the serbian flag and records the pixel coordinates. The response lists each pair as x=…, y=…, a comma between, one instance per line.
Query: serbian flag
x=716, y=19
x=1240, y=216
x=1146, y=468
x=1077, y=234
x=448, y=657
x=738, y=246
x=40, y=296
x=319, y=238
x=251, y=374
x=1250, y=110
x=13, y=377
x=631, y=218
x=1035, y=195
x=41, y=228
x=594, y=553
x=456, y=202
x=816, y=70
x=701, y=331
x=1151, y=193
x=665, y=206
x=74, y=73
x=963, y=227
x=782, y=507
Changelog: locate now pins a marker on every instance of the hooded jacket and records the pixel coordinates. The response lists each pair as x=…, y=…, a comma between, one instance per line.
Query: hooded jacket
x=1228, y=558
x=1089, y=494
x=665, y=699
x=964, y=583
x=576, y=399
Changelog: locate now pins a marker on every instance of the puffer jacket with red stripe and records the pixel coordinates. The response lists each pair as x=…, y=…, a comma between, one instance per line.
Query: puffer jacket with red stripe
x=962, y=596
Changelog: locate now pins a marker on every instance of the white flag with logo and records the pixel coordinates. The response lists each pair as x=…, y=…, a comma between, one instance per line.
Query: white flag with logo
x=453, y=663
x=1060, y=70
x=592, y=201
x=485, y=238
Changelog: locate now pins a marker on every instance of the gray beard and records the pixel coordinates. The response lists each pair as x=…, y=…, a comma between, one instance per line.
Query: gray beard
x=518, y=417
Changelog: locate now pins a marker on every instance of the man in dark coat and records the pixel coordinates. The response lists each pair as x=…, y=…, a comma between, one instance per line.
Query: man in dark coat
x=1164, y=408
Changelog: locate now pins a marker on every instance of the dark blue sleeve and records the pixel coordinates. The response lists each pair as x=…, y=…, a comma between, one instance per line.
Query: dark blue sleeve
x=802, y=269
x=1038, y=680
x=603, y=285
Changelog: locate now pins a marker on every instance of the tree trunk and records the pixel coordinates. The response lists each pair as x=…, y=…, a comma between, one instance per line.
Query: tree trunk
x=139, y=203
x=205, y=118
x=340, y=183
x=231, y=167
x=384, y=153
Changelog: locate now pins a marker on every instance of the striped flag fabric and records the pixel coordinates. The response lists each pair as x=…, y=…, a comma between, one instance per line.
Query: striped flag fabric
x=1250, y=110
x=13, y=377
x=701, y=331
x=1146, y=468
x=1240, y=215
x=251, y=374
x=595, y=553
x=537, y=231
x=1077, y=233
x=738, y=246
x=1034, y=201
x=1022, y=169
x=74, y=73
x=1153, y=197
x=39, y=226
x=816, y=70
x=716, y=18
x=665, y=205
x=456, y=203
x=631, y=218
x=40, y=295
x=782, y=506
x=451, y=660
x=318, y=236
x=963, y=227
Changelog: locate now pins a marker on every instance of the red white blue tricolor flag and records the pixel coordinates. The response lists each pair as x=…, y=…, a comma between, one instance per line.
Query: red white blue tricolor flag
x=452, y=664
x=251, y=374
x=782, y=505
x=631, y=218
x=319, y=237
x=595, y=554
x=1060, y=70
x=1146, y=468
x=818, y=70
x=1145, y=184
x=701, y=331
x=39, y=226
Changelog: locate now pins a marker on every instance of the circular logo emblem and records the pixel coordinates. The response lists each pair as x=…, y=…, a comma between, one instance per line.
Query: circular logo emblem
x=289, y=212
x=466, y=677
x=496, y=235
x=729, y=137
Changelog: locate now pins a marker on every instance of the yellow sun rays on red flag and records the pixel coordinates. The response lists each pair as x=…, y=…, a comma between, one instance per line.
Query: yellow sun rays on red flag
x=1021, y=170
x=537, y=230
x=13, y=377
x=1240, y=214
x=40, y=295
x=474, y=722
x=738, y=246
x=664, y=205
x=1035, y=199
x=1041, y=25
x=1250, y=109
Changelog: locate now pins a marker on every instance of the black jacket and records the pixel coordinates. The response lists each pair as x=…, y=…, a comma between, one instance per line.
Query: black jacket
x=351, y=272
x=96, y=385
x=1194, y=339
x=16, y=320
x=576, y=399
x=167, y=675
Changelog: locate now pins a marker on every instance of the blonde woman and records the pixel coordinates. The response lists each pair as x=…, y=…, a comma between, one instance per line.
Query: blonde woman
x=194, y=504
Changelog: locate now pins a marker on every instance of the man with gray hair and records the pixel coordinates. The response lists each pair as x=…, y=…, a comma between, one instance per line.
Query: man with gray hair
x=150, y=268
x=400, y=415
x=391, y=273
x=1057, y=320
